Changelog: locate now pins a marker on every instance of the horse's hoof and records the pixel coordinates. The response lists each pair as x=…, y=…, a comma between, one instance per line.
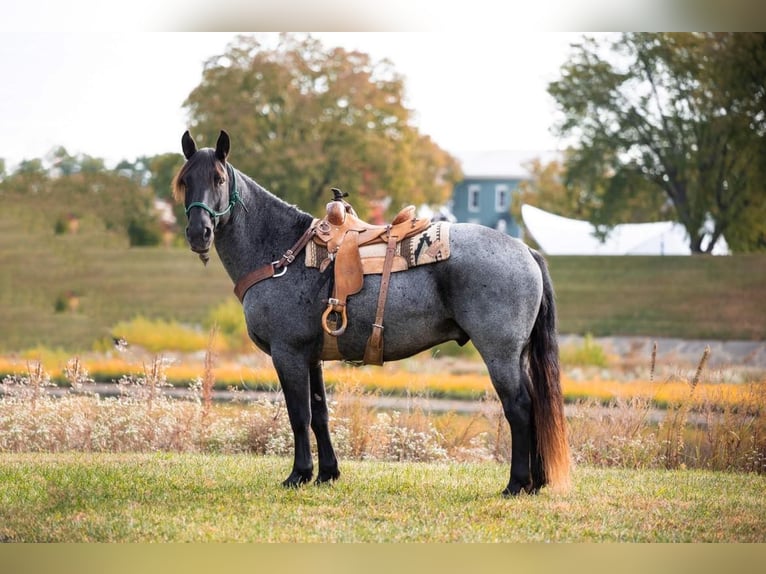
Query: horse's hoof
x=327, y=476
x=514, y=489
x=297, y=479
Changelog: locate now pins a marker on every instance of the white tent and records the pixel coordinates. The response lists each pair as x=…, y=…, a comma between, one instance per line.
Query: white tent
x=558, y=235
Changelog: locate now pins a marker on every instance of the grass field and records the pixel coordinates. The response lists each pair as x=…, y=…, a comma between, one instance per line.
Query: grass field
x=109, y=281
x=171, y=497
x=722, y=298
x=95, y=280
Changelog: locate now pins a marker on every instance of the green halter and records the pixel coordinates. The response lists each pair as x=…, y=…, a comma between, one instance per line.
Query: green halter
x=234, y=198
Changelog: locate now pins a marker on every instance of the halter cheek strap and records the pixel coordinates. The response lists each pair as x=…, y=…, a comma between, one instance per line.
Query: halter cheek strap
x=234, y=198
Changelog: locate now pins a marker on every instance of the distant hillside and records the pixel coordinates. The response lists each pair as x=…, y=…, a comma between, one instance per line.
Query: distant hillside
x=700, y=297
x=59, y=203
x=67, y=289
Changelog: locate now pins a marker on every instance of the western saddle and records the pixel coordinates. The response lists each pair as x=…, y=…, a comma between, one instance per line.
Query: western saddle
x=343, y=233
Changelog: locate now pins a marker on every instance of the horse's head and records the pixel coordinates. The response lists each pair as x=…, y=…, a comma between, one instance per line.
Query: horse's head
x=206, y=184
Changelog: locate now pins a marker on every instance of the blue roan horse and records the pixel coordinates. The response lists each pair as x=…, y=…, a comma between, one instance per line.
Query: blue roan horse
x=493, y=290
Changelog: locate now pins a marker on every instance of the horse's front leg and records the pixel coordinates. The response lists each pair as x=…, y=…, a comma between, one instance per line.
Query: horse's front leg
x=320, y=418
x=293, y=374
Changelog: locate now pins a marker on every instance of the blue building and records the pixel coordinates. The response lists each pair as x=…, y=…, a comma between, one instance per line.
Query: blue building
x=489, y=180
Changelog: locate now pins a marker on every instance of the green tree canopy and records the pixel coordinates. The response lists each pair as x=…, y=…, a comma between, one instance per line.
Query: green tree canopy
x=64, y=164
x=677, y=117
x=304, y=118
x=31, y=167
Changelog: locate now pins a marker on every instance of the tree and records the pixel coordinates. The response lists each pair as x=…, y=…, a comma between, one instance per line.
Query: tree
x=304, y=119
x=90, y=164
x=62, y=162
x=31, y=167
x=549, y=187
x=136, y=171
x=674, y=117
x=162, y=169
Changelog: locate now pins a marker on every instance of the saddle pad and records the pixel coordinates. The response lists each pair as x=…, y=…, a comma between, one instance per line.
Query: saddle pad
x=429, y=246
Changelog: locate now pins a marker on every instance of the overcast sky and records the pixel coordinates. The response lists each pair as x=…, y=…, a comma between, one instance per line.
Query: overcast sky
x=119, y=95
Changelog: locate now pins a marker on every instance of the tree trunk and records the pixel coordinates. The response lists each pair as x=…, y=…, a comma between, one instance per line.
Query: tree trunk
x=695, y=241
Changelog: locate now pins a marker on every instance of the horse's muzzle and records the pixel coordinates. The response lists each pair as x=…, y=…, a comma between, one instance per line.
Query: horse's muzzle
x=199, y=234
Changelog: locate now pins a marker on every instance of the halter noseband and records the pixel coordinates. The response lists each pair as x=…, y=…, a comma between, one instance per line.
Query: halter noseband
x=234, y=199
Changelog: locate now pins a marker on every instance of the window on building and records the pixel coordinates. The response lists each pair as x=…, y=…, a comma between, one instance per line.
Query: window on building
x=502, y=198
x=473, y=197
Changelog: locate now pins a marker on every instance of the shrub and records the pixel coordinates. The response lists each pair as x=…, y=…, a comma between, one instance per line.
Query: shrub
x=144, y=232
x=589, y=354
x=705, y=426
x=61, y=226
x=158, y=335
x=452, y=349
x=229, y=319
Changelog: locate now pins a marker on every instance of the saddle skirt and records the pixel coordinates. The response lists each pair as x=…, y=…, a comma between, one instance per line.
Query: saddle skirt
x=429, y=246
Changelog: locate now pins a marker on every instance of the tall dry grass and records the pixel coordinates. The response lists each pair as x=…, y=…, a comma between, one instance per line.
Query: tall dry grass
x=703, y=428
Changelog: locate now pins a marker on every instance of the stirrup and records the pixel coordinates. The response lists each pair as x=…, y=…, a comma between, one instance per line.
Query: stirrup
x=333, y=305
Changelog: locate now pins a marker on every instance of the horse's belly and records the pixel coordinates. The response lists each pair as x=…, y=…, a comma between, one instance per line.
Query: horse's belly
x=416, y=317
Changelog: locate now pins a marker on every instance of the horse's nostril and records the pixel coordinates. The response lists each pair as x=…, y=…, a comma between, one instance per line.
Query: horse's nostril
x=199, y=235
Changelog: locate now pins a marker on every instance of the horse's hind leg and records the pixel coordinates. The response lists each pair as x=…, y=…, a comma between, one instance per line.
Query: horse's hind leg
x=328, y=463
x=511, y=384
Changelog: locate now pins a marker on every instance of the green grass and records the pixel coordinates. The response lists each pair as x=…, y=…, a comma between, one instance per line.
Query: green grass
x=720, y=298
x=172, y=497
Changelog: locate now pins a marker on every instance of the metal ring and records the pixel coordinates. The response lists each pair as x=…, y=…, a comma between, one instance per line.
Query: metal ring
x=274, y=265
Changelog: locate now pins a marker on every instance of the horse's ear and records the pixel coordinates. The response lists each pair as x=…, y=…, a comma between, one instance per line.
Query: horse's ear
x=222, y=147
x=188, y=145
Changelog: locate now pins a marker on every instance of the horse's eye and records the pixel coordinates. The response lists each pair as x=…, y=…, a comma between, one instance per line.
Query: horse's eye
x=218, y=181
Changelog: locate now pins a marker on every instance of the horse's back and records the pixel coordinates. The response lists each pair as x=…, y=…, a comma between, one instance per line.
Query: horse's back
x=481, y=253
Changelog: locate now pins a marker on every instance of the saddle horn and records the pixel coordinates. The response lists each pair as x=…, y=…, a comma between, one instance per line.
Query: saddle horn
x=338, y=195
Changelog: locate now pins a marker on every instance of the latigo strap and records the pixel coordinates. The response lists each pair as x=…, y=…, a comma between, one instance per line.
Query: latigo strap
x=373, y=352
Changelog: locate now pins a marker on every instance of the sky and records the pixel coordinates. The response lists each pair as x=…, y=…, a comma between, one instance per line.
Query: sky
x=119, y=95
x=108, y=79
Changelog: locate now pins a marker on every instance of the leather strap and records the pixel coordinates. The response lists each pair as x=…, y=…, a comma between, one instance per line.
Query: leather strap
x=270, y=270
x=373, y=352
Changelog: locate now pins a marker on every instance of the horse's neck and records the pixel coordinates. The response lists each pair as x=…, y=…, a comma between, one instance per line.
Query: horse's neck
x=259, y=231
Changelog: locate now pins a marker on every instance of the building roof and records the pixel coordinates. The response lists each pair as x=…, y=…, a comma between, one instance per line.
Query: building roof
x=501, y=164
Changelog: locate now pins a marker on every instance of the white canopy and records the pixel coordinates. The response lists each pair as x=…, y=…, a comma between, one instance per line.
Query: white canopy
x=558, y=235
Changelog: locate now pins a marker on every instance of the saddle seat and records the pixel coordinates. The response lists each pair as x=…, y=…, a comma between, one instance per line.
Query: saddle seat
x=341, y=218
x=342, y=232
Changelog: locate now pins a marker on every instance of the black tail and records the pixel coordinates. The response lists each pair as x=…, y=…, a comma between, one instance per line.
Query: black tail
x=547, y=398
